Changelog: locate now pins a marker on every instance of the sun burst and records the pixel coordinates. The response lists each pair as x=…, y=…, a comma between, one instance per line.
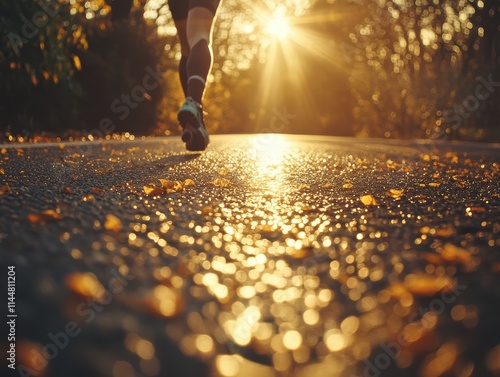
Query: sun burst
x=278, y=27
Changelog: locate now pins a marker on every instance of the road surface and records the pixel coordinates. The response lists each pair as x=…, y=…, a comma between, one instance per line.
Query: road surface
x=265, y=255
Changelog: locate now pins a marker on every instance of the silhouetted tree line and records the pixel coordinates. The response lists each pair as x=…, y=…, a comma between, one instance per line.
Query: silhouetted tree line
x=79, y=65
x=348, y=67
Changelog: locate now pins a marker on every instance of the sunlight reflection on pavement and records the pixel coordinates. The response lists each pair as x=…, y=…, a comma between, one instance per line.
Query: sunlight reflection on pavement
x=272, y=263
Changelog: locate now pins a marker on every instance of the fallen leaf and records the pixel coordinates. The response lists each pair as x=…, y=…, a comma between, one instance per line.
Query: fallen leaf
x=426, y=285
x=24, y=356
x=327, y=185
x=223, y=171
x=455, y=254
x=221, y=182
x=369, y=200
x=431, y=258
x=45, y=216
x=426, y=230
x=397, y=290
x=88, y=198
x=68, y=190
x=3, y=151
x=112, y=223
x=97, y=191
x=2, y=171
x=62, y=146
x=445, y=232
x=188, y=182
x=5, y=188
x=74, y=156
x=347, y=185
x=171, y=186
x=442, y=361
x=434, y=184
x=300, y=253
x=394, y=193
x=118, y=153
x=84, y=284
x=267, y=228
x=475, y=209
x=153, y=191
x=207, y=210
x=102, y=171
x=20, y=152
x=303, y=187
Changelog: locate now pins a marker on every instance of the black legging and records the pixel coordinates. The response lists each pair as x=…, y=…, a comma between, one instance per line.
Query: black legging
x=180, y=8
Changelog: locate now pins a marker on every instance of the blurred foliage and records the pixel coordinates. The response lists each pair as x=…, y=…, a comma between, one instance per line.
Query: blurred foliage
x=415, y=63
x=38, y=46
x=120, y=56
x=366, y=67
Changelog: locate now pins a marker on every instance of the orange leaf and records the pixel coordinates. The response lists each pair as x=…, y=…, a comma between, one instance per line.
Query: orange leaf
x=396, y=194
x=153, y=191
x=34, y=80
x=369, y=200
x=112, y=223
x=45, y=216
x=221, y=182
x=78, y=63
x=97, y=191
x=431, y=258
x=455, y=254
x=188, y=182
x=447, y=231
x=4, y=189
x=67, y=190
x=84, y=284
x=207, y=210
x=171, y=186
x=428, y=285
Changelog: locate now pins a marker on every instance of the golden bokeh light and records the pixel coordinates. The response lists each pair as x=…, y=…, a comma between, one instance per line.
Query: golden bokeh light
x=227, y=365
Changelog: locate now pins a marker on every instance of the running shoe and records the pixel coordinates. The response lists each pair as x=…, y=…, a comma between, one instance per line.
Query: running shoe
x=194, y=133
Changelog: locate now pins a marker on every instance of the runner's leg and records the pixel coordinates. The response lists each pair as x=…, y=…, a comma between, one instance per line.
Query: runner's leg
x=200, y=21
x=179, y=10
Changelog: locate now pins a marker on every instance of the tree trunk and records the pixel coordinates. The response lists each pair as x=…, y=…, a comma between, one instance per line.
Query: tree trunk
x=120, y=9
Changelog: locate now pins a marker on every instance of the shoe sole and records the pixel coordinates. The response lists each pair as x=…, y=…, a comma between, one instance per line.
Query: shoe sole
x=194, y=137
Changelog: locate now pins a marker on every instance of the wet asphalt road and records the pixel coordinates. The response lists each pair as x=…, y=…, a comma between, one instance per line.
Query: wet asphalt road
x=265, y=255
